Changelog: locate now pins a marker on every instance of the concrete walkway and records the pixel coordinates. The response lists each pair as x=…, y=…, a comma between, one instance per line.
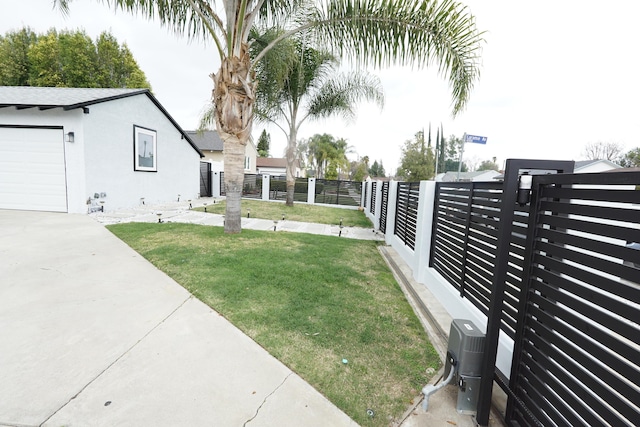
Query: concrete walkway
x=91, y=334
x=180, y=212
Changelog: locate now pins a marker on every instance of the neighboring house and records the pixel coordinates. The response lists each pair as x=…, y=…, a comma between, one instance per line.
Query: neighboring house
x=68, y=149
x=211, y=145
x=468, y=176
x=591, y=166
x=276, y=166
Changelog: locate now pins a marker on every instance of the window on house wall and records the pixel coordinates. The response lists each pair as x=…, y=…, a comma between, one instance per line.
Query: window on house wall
x=144, y=149
x=247, y=162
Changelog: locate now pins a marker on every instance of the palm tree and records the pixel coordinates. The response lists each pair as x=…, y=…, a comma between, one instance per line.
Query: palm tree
x=300, y=84
x=372, y=32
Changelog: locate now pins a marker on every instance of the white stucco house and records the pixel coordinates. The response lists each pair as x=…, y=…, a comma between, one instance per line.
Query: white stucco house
x=276, y=166
x=67, y=149
x=210, y=144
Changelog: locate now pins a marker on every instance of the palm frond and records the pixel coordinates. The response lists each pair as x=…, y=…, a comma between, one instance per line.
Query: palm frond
x=419, y=33
x=340, y=95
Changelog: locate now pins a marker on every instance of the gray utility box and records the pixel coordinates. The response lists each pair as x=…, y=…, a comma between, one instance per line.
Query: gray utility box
x=466, y=346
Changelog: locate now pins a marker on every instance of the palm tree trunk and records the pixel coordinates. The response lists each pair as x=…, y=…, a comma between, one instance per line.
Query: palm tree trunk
x=233, y=97
x=290, y=156
x=234, y=152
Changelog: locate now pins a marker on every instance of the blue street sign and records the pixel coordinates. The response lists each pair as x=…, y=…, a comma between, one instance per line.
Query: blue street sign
x=475, y=139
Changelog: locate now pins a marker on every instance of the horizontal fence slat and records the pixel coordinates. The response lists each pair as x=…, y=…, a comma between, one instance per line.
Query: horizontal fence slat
x=576, y=329
x=600, y=194
x=582, y=365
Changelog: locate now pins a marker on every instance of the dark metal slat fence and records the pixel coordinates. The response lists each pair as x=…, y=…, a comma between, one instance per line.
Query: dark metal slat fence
x=252, y=186
x=407, y=212
x=372, y=204
x=383, y=207
x=336, y=192
x=278, y=189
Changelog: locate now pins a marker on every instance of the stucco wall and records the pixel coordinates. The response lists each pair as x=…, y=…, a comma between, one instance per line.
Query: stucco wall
x=109, y=156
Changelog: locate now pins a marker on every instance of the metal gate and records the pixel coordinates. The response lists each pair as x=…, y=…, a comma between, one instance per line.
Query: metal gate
x=383, y=207
x=561, y=276
x=577, y=348
x=205, y=179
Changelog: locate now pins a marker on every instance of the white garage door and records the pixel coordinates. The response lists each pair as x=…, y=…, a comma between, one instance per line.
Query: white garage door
x=32, y=169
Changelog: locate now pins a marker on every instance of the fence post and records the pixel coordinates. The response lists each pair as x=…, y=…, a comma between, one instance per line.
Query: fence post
x=266, y=181
x=215, y=184
x=424, y=229
x=509, y=192
x=378, y=207
x=311, y=191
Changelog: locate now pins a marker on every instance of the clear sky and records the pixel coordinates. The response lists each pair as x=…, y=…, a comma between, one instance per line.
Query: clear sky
x=555, y=76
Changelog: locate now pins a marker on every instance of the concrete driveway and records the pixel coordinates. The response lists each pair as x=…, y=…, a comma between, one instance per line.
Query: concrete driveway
x=91, y=334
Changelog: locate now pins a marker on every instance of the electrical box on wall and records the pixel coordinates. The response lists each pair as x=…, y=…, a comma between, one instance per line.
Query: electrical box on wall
x=465, y=349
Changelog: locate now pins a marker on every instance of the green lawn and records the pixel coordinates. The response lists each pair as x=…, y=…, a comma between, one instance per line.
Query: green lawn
x=311, y=301
x=298, y=212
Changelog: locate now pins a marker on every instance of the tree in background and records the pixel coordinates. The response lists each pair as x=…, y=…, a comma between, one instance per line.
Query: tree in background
x=296, y=83
x=377, y=170
x=358, y=171
x=373, y=33
x=489, y=165
x=452, y=149
x=631, y=159
x=67, y=59
x=417, y=161
x=327, y=155
x=263, y=144
x=440, y=151
x=14, y=57
x=603, y=151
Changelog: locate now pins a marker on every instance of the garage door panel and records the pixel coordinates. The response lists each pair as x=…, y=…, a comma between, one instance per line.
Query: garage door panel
x=32, y=169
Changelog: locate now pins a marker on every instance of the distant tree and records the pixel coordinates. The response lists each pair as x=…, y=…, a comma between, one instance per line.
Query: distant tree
x=116, y=65
x=263, y=144
x=327, y=155
x=603, y=151
x=67, y=59
x=14, y=58
x=417, y=161
x=489, y=165
x=377, y=170
x=631, y=159
x=452, y=154
x=358, y=171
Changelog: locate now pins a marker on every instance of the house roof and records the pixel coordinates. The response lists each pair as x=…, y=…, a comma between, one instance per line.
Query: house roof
x=271, y=162
x=208, y=140
x=46, y=98
x=274, y=162
x=465, y=176
x=584, y=163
